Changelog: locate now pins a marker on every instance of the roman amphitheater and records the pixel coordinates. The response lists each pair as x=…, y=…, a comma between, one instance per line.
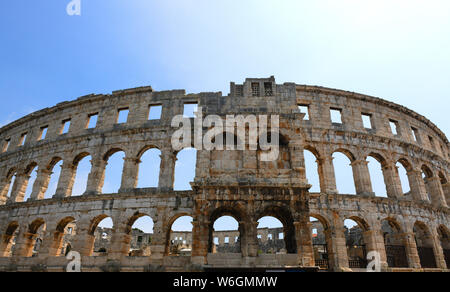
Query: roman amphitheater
x=409, y=229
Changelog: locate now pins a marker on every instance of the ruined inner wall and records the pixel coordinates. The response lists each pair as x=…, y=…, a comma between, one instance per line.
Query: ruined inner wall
x=235, y=183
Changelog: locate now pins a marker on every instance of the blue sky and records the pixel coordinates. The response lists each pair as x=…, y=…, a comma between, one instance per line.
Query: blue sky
x=397, y=50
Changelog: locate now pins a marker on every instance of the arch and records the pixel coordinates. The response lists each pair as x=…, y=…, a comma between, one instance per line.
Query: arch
x=114, y=163
x=33, y=236
x=95, y=222
x=424, y=243
x=427, y=171
x=30, y=167
x=442, y=178
x=346, y=152
x=322, y=241
x=394, y=243
x=356, y=241
x=377, y=174
x=185, y=169
x=35, y=225
x=285, y=217
x=405, y=163
x=140, y=228
x=53, y=162
x=147, y=148
x=345, y=180
x=149, y=167
x=83, y=168
x=8, y=239
x=362, y=223
x=100, y=235
x=405, y=183
x=270, y=236
x=314, y=173
x=65, y=231
x=179, y=235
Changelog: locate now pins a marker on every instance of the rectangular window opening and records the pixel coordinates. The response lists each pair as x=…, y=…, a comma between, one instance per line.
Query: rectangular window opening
x=255, y=89
x=367, y=121
x=394, y=127
x=281, y=235
x=415, y=134
x=304, y=109
x=432, y=143
x=7, y=144
x=268, y=89
x=65, y=127
x=92, y=121
x=23, y=139
x=154, y=112
x=227, y=240
x=122, y=115
x=190, y=109
x=336, y=115
x=43, y=133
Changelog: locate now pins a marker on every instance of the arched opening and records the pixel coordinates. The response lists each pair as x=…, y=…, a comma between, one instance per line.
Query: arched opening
x=9, y=240
x=427, y=174
x=312, y=170
x=394, y=244
x=55, y=168
x=424, y=244
x=101, y=229
x=225, y=235
x=185, y=167
x=270, y=234
x=404, y=179
x=321, y=240
x=344, y=174
x=149, y=168
x=376, y=175
x=83, y=168
x=63, y=237
x=283, y=216
x=113, y=171
x=355, y=242
x=180, y=236
x=444, y=237
x=36, y=231
x=140, y=230
x=32, y=174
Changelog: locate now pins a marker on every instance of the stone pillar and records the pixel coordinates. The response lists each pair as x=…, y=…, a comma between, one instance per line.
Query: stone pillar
x=202, y=167
x=51, y=244
x=327, y=176
x=158, y=245
x=6, y=245
x=437, y=250
x=24, y=244
x=361, y=176
x=298, y=173
x=66, y=180
x=130, y=173
x=200, y=233
x=4, y=188
x=446, y=188
x=96, y=177
x=83, y=241
x=392, y=181
x=374, y=241
x=249, y=238
x=303, y=238
x=167, y=169
x=412, y=253
x=337, y=247
x=19, y=188
x=40, y=184
x=436, y=191
x=418, y=190
x=120, y=244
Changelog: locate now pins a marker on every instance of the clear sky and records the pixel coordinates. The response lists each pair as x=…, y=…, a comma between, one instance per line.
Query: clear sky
x=397, y=50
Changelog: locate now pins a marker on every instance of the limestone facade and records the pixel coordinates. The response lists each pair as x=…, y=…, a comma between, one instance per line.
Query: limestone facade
x=233, y=183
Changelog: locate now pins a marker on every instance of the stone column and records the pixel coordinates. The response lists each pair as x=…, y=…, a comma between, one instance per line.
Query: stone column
x=361, y=175
x=19, y=188
x=327, y=176
x=40, y=184
x=418, y=190
x=437, y=250
x=66, y=180
x=249, y=238
x=337, y=247
x=6, y=245
x=167, y=169
x=392, y=181
x=200, y=233
x=24, y=244
x=130, y=173
x=374, y=241
x=158, y=244
x=83, y=241
x=436, y=191
x=120, y=243
x=96, y=177
x=412, y=253
x=303, y=238
x=51, y=244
